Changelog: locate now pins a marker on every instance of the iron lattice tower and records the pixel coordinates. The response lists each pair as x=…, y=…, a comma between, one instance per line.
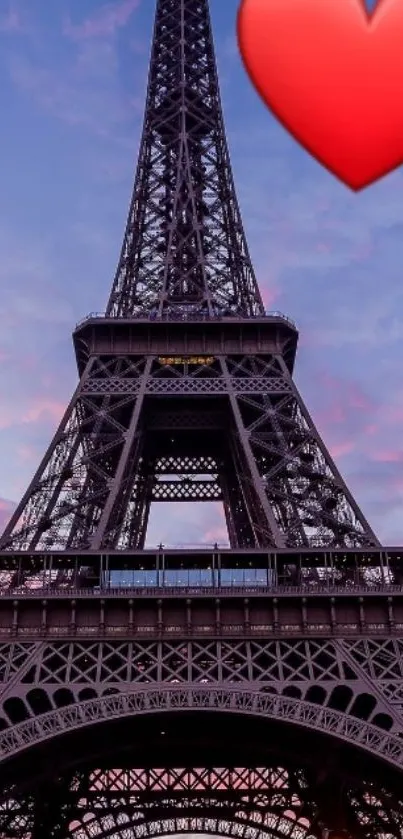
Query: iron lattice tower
x=185, y=322
x=186, y=393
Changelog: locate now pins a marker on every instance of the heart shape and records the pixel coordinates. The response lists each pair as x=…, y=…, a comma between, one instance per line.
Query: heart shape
x=332, y=74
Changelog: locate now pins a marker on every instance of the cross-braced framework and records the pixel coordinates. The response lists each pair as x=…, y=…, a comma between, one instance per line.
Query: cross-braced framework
x=230, y=428
x=349, y=690
x=358, y=682
x=275, y=666
x=184, y=244
x=244, y=803
x=254, y=801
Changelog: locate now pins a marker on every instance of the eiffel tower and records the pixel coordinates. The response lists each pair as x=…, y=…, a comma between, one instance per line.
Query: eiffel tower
x=254, y=691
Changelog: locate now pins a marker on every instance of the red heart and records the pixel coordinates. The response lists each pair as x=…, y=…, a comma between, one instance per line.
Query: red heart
x=333, y=75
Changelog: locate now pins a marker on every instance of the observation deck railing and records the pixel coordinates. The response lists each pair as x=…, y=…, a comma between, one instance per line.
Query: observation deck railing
x=185, y=316
x=203, y=570
x=273, y=591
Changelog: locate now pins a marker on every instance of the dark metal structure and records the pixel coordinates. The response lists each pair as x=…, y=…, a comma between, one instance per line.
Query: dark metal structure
x=254, y=691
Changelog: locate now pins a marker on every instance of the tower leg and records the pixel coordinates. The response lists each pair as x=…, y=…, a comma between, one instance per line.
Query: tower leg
x=334, y=817
x=51, y=811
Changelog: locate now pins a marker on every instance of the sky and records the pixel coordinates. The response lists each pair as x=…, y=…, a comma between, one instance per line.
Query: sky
x=73, y=85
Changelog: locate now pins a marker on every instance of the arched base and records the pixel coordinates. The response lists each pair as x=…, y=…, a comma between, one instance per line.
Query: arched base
x=276, y=802
x=276, y=826
x=303, y=768
x=228, y=699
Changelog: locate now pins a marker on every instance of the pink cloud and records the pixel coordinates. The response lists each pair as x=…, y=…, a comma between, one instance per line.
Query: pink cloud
x=363, y=251
x=110, y=17
x=27, y=453
x=393, y=414
x=343, y=399
x=357, y=398
x=6, y=417
x=340, y=449
x=350, y=391
x=333, y=415
x=44, y=409
x=270, y=295
x=39, y=410
x=388, y=456
x=6, y=509
x=218, y=533
x=346, y=417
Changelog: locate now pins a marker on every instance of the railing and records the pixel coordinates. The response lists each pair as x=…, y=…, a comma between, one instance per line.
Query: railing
x=184, y=316
x=223, y=630
x=202, y=570
x=208, y=547
x=203, y=591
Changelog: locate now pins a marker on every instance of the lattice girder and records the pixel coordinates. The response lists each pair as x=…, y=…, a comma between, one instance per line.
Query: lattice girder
x=95, y=485
x=328, y=673
x=184, y=245
x=302, y=682
x=276, y=799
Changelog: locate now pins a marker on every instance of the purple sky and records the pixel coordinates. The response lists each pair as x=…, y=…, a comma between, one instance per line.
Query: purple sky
x=73, y=84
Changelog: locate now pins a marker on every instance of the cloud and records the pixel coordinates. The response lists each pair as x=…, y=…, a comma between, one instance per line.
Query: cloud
x=388, y=456
x=29, y=411
x=338, y=450
x=6, y=509
x=341, y=407
x=80, y=81
x=186, y=523
x=81, y=93
x=218, y=533
x=28, y=454
x=31, y=299
x=44, y=409
x=11, y=21
x=109, y=18
x=378, y=486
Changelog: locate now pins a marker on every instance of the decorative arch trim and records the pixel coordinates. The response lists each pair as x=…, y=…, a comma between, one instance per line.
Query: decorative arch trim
x=228, y=699
x=275, y=826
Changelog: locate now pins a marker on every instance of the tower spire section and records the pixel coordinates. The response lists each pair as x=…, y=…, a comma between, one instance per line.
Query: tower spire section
x=184, y=250
x=186, y=390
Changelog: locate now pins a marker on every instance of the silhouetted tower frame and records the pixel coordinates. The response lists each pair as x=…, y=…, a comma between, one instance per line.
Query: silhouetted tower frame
x=186, y=393
x=186, y=371
x=184, y=247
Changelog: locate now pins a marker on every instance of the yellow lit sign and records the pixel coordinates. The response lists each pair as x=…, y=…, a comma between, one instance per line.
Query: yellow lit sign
x=190, y=359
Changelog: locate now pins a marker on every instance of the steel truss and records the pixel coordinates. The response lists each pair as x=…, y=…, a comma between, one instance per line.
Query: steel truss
x=184, y=246
x=359, y=678
x=244, y=803
x=108, y=460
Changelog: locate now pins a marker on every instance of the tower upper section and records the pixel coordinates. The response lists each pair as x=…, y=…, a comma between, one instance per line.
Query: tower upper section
x=184, y=250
